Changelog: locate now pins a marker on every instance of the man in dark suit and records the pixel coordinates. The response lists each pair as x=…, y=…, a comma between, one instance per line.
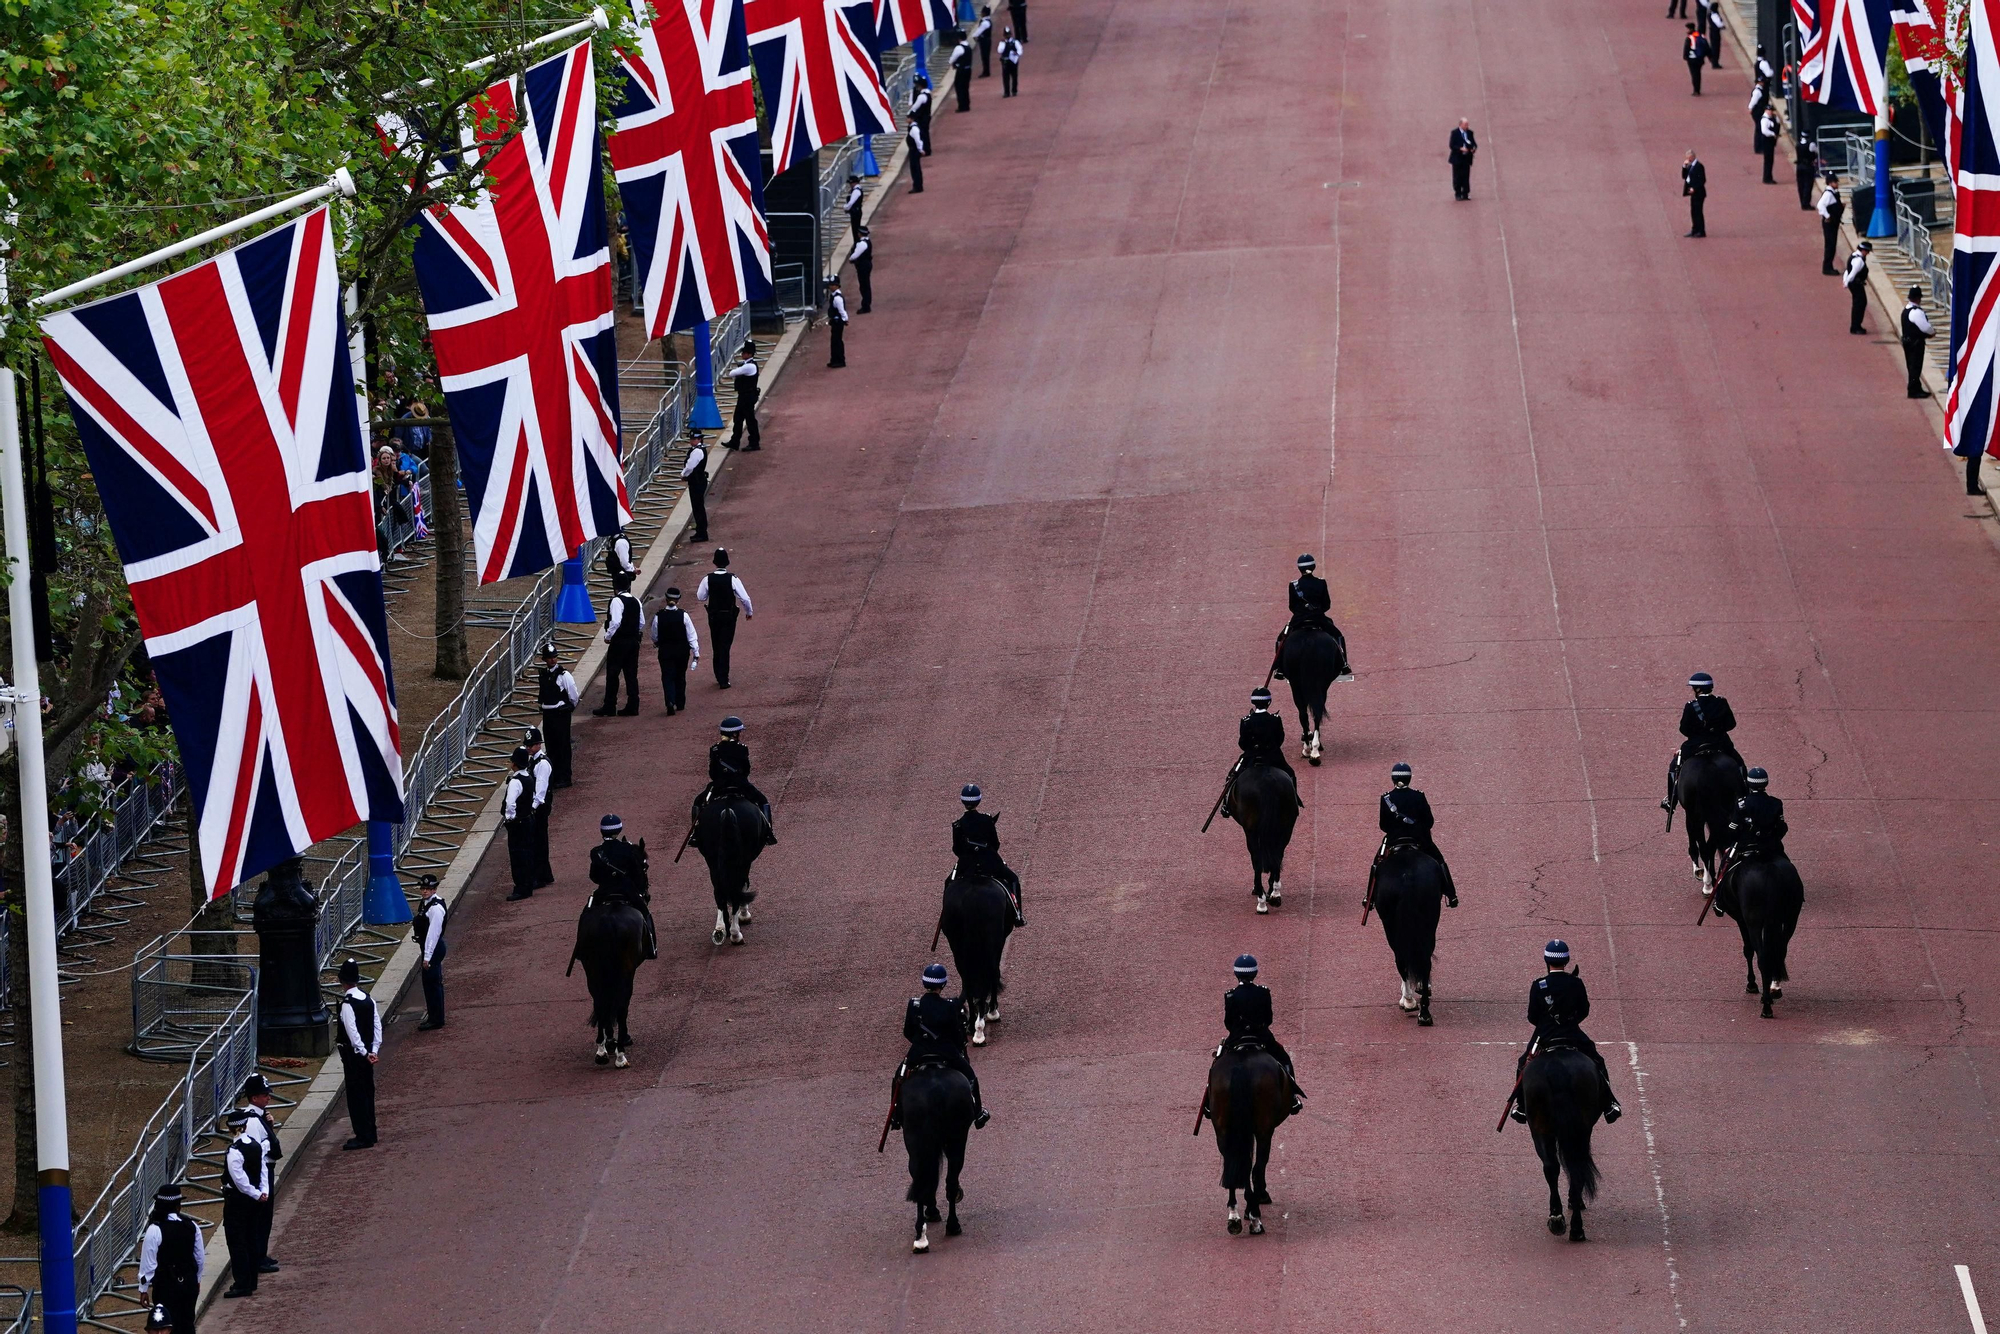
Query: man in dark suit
x=1694, y=184
x=1694, y=50
x=1463, y=146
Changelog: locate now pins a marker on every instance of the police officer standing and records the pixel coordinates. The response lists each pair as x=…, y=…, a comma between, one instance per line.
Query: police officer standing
x=836, y=324
x=538, y=764
x=935, y=1029
x=1017, y=14
x=246, y=1184
x=1405, y=817
x=961, y=75
x=724, y=595
x=171, y=1258
x=517, y=814
x=1464, y=144
x=1010, y=64
x=618, y=559
x=920, y=109
x=1246, y=1013
x=1558, y=1003
x=257, y=1092
x=428, y=929
x=853, y=204
x=678, y=647
x=359, y=1041
x=919, y=139
x=863, y=259
x=1694, y=184
x=1767, y=141
x=559, y=696
x=1805, y=170
x=624, y=626
x=1856, y=283
x=1831, y=209
x=695, y=473
x=982, y=33
x=743, y=375
x=1916, y=331
x=975, y=841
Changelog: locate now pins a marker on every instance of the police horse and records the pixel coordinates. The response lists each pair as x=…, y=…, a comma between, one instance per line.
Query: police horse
x=977, y=919
x=1264, y=800
x=730, y=831
x=1311, y=660
x=937, y=1110
x=1707, y=788
x=1562, y=1098
x=611, y=944
x=1408, y=886
x=1765, y=896
x=1249, y=1097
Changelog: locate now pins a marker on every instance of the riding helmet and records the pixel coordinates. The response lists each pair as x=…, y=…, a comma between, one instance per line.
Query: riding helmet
x=1306, y=562
x=970, y=794
x=1261, y=697
x=1701, y=681
x=1246, y=965
x=611, y=826
x=936, y=976
x=1556, y=951
x=731, y=725
x=1399, y=772
x=1756, y=778
x=520, y=757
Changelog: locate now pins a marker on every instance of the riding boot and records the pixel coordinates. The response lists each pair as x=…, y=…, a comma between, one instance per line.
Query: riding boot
x=1277, y=657
x=1450, y=885
x=652, y=935
x=1515, y=1109
x=1612, y=1111
x=896, y=1098
x=1014, y=892
x=770, y=836
x=1673, y=782
x=980, y=1115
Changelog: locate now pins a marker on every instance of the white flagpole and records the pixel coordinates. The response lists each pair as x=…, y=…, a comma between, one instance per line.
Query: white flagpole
x=339, y=183
x=597, y=22
x=44, y=986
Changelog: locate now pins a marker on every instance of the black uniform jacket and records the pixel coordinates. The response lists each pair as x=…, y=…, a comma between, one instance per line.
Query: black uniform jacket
x=1758, y=827
x=1246, y=1010
x=975, y=834
x=934, y=1026
x=619, y=867
x=728, y=764
x=1406, y=814
x=1694, y=178
x=1309, y=597
x=1707, y=721
x=1557, y=1004
x=1261, y=737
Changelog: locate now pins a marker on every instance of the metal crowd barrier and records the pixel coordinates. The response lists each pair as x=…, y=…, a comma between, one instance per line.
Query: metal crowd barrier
x=398, y=530
x=833, y=175
x=130, y=822
x=1913, y=235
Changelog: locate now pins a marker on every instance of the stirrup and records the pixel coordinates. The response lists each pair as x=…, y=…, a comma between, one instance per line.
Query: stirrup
x=979, y=1121
x=1613, y=1112
x=1519, y=1115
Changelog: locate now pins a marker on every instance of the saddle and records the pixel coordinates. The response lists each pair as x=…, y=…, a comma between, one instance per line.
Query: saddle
x=1242, y=1042
x=929, y=1060
x=1563, y=1042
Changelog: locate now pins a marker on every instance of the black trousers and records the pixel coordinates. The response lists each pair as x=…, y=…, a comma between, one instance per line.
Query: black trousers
x=698, y=501
x=746, y=416
x=864, y=273
x=837, y=354
x=1010, y=78
x=1770, y=156
x=179, y=1296
x=674, y=679
x=1697, y=214
x=267, y=1210
x=1802, y=175
x=1714, y=46
x=961, y=87
x=434, y=984
x=854, y=220
x=555, y=740
x=916, y=173
x=721, y=634
x=1461, y=177
x=1694, y=73
x=622, y=660
x=1913, y=362
x=1857, y=305
x=1972, y=486
x=1682, y=10
x=239, y=1228
x=360, y=1076
x=1019, y=15
x=1829, y=231
x=986, y=56
x=544, y=873
x=521, y=854
x=925, y=121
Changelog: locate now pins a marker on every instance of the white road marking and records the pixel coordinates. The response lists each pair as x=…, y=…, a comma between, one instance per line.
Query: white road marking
x=1660, y=1186
x=1971, y=1299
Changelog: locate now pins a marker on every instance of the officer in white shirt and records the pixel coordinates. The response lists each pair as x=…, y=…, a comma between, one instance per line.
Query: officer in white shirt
x=743, y=377
x=920, y=141
x=257, y=1092
x=559, y=695
x=725, y=596
x=982, y=33
x=517, y=817
x=961, y=74
x=624, y=625
x=920, y=108
x=1830, y=210
x=679, y=648
x=545, y=803
x=1010, y=64
x=171, y=1257
x=246, y=1184
x=695, y=473
x=1856, y=283
x=863, y=259
x=358, y=1038
x=836, y=323
x=853, y=204
x=428, y=928
x=1916, y=331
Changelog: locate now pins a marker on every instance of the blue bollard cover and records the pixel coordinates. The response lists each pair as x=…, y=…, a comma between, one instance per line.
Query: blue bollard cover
x=869, y=166
x=384, y=904
x=58, y=1260
x=573, y=598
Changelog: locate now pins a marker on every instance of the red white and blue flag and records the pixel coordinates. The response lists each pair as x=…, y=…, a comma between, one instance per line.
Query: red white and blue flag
x=1971, y=411
x=1847, y=67
x=1920, y=38
x=816, y=63
x=1812, y=44
x=688, y=167
x=900, y=22
x=517, y=288
x=218, y=413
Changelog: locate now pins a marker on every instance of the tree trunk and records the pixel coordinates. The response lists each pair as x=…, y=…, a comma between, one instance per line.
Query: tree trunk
x=21, y=1056
x=454, y=660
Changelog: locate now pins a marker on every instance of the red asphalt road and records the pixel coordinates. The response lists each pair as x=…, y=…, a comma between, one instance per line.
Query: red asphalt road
x=1199, y=300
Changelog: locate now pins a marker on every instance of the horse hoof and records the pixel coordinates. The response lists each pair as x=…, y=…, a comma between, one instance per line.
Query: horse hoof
x=1777, y=992
x=1276, y=898
x=1749, y=988
x=979, y=1037
x=1263, y=905
x=1767, y=1011
x=1423, y=1021
x=1576, y=1234
x=717, y=936
x=920, y=1245
x=952, y=1227
x=743, y=913
x=993, y=1014
x=736, y=937
x=619, y=1061
x=602, y=1057
x=1313, y=760
x=1235, y=1226
x=931, y=1214
x=1406, y=1005
x=1556, y=1224
x=1257, y=1224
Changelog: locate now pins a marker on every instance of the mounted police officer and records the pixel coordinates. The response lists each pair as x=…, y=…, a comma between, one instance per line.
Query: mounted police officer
x=975, y=841
x=1246, y=1013
x=1310, y=600
x=1706, y=722
x=1756, y=831
x=1558, y=1003
x=618, y=869
x=935, y=1030
x=729, y=771
x=1260, y=735
x=1405, y=817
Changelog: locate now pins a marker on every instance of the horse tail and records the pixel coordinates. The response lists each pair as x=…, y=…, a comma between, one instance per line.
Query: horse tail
x=921, y=1137
x=1781, y=918
x=1573, y=1148
x=1240, y=1143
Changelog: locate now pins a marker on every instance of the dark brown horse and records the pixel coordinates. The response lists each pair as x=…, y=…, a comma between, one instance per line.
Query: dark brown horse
x=1249, y=1097
x=1765, y=896
x=610, y=944
x=1708, y=788
x=1311, y=660
x=1562, y=1097
x=937, y=1109
x=1409, y=884
x=977, y=918
x=730, y=833
x=1264, y=800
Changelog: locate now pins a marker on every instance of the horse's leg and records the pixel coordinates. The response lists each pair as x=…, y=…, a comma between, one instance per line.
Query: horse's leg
x=1277, y=894
x=1257, y=889
x=624, y=1036
x=1258, y=1192
x=979, y=1026
x=721, y=932
x=1408, y=1000
x=921, y=1242
x=1749, y=964
x=1551, y=1170
x=1424, y=1005
x=736, y=924
x=1235, y=1218
x=954, y=1163
x=1575, y=1210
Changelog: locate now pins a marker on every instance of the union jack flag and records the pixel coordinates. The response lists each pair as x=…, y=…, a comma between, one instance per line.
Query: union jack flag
x=1970, y=413
x=1812, y=44
x=688, y=167
x=1848, y=71
x=517, y=288
x=818, y=73
x=217, y=410
x=900, y=22
x=1921, y=40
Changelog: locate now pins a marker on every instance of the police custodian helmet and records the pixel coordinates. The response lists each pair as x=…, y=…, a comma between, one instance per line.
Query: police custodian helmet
x=1246, y=965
